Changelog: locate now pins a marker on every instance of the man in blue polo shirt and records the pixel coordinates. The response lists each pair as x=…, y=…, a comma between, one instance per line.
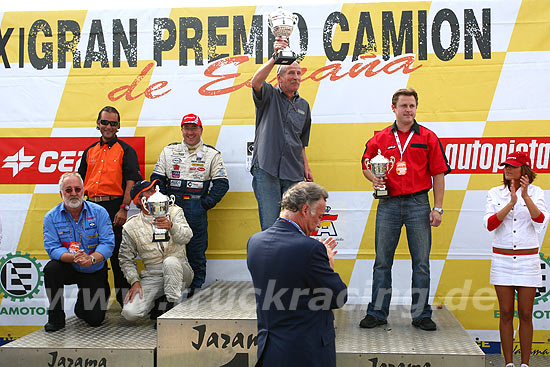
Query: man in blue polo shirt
x=283, y=122
x=78, y=237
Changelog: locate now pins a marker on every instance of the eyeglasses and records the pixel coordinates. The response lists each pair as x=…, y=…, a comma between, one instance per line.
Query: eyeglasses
x=68, y=190
x=107, y=122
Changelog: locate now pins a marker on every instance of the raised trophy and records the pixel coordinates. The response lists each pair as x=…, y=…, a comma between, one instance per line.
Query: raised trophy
x=379, y=166
x=158, y=205
x=282, y=23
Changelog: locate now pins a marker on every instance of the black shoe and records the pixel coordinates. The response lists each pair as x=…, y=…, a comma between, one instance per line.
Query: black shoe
x=79, y=313
x=191, y=292
x=54, y=326
x=370, y=321
x=169, y=306
x=156, y=311
x=425, y=324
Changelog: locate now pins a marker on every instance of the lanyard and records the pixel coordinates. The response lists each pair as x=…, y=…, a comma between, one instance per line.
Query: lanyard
x=402, y=150
x=294, y=224
x=71, y=231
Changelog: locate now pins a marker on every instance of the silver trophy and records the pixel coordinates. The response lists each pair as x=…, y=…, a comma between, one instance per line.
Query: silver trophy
x=158, y=205
x=282, y=23
x=379, y=166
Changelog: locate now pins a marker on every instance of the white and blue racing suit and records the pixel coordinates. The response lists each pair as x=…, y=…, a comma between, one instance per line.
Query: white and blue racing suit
x=198, y=180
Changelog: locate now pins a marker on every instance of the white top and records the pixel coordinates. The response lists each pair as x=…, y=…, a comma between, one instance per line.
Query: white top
x=517, y=230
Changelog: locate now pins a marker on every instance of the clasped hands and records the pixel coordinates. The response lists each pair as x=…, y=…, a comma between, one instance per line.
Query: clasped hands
x=81, y=258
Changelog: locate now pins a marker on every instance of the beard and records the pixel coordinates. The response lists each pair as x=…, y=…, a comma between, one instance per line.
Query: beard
x=73, y=202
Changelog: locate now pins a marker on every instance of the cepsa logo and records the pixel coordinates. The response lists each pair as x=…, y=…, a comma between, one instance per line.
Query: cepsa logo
x=44, y=160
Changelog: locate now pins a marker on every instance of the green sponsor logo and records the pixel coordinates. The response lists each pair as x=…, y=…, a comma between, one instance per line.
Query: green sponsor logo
x=20, y=276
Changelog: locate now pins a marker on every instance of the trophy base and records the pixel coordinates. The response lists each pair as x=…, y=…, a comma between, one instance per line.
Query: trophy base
x=285, y=57
x=381, y=194
x=161, y=237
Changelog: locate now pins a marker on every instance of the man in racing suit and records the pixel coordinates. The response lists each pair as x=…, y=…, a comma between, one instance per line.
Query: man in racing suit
x=195, y=174
x=167, y=271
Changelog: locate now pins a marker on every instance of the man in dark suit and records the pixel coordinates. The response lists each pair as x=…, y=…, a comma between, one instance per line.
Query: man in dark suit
x=296, y=286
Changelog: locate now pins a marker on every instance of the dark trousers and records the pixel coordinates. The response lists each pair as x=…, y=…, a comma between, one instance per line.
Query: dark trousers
x=196, y=248
x=93, y=292
x=121, y=285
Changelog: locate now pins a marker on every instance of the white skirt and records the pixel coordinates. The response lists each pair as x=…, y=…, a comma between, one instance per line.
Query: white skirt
x=519, y=270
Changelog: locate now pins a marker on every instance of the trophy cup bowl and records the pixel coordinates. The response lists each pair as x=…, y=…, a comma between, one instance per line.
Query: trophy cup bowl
x=282, y=23
x=158, y=205
x=379, y=166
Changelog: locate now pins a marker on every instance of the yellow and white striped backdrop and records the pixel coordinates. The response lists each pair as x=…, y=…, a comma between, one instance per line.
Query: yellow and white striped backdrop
x=481, y=68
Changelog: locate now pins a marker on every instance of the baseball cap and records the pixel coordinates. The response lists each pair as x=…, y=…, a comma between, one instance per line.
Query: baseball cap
x=191, y=119
x=517, y=159
x=140, y=187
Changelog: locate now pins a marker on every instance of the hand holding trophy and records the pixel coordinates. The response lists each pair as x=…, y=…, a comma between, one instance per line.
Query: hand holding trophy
x=282, y=23
x=158, y=205
x=379, y=168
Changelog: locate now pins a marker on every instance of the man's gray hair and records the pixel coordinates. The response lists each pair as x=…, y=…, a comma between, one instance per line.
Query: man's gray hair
x=281, y=69
x=69, y=174
x=303, y=193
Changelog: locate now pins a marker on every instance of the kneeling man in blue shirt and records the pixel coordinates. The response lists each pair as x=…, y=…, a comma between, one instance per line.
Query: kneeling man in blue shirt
x=78, y=237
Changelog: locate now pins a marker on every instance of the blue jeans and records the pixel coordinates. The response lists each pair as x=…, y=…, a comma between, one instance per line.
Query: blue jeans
x=268, y=190
x=392, y=213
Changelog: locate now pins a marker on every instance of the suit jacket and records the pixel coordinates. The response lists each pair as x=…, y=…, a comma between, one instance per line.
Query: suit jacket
x=295, y=291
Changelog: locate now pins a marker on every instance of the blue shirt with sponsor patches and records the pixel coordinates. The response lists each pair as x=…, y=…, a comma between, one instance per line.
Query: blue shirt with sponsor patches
x=93, y=231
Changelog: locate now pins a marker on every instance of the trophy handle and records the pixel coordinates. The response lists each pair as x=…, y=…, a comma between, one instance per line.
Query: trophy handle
x=144, y=203
x=367, y=164
x=392, y=161
x=295, y=19
x=172, y=199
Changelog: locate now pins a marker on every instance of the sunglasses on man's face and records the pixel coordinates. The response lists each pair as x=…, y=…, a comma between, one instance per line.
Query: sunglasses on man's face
x=107, y=122
x=69, y=190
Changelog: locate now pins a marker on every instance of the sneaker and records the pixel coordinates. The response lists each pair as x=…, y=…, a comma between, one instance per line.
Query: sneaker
x=371, y=321
x=53, y=326
x=425, y=324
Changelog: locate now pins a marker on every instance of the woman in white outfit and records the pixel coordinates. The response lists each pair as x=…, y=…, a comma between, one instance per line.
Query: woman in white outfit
x=516, y=213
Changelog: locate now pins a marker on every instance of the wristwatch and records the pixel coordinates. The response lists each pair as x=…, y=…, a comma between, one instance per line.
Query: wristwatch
x=440, y=210
x=93, y=260
x=125, y=207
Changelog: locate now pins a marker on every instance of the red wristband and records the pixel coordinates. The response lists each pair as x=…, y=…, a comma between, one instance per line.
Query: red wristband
x=539, y=219
x=493, y=222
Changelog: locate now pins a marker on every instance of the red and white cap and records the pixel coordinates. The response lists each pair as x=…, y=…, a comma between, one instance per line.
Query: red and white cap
x=191, y=119
x=517, y=159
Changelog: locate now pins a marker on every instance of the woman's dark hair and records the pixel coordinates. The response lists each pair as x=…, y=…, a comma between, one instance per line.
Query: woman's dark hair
x=525, y=171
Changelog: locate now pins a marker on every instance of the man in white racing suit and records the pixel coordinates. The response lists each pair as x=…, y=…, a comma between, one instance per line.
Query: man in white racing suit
x=167, y=271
